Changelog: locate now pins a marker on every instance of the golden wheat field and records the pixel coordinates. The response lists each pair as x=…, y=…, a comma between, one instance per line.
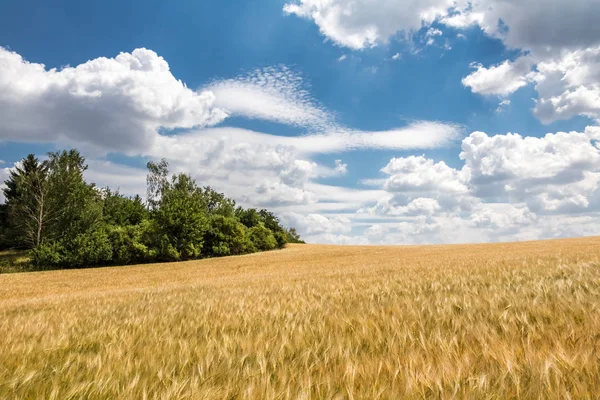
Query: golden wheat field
x=491, y=321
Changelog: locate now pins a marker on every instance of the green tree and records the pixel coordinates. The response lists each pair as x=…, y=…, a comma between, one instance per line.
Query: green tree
x=262, y=238
x=218, y=203
x=120, y=210
x=30, y=207
x=29, y=165
x=71, y=223
x=5, y=237
x=157, y=181
x=226, y=236
x=71, y=232
x=293, y=236
x=249, y=217
x=179, y=214
x=80, y=203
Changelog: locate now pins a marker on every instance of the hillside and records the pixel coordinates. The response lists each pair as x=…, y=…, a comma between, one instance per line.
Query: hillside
x=312, y=321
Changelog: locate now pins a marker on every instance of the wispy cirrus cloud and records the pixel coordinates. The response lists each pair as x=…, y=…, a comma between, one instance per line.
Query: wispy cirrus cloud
x=277, y=93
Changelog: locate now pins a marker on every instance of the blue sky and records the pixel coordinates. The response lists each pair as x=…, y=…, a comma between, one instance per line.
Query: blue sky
x=382, y=121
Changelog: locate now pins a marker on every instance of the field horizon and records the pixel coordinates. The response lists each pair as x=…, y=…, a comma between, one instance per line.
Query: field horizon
x=500, y=320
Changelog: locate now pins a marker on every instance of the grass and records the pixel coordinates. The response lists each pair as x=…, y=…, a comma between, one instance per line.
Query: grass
x=12, y=261
x=323, y=322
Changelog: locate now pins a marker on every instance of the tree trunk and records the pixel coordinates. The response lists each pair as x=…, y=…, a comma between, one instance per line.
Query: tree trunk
x=40, y=221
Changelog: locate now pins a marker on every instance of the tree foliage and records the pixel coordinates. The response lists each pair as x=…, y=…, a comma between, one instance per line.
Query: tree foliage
x=70, y=223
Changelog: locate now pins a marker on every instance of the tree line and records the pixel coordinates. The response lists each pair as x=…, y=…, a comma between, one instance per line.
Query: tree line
x=66, y=222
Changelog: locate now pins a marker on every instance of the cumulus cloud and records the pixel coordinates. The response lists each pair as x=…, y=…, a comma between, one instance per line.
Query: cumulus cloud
x=503, y=218
x=376, y=231
x=127, y=180
x=536, y=26
x=419, y=174
x=502, y=79
x=540, y=25
x=362, y=23
x=124, y=104
x=559, y=37
x=314, y=224
x=569, y=85
x=558, y=172
x=510, y=188
x=391, y=206
x=113, y=103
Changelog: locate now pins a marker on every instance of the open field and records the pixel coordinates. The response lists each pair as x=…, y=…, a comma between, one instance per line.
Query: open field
x=473, y=321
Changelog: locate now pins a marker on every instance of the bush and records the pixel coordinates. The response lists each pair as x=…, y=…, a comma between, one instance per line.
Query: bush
x=71, y=223
x=88, y=249
x=48, y=254
x=262, y=238
x=85, y=250
x=281, y=239
x=130, y=244
x=226, y=236
x=180, y=220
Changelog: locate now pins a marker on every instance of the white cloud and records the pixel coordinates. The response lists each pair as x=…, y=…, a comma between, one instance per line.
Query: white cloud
x=342, y=58
x=535, y=26
x=538, y=25
x=275, y=93
x=339, y=239
x=503, y=105
x=502, y=79
x=431, y=34
x=314, y=224
x=510, y=188
x=421, y=175
x=127, y=180
x=511, y=156
x=138, y=92
x=417, y=135
x=340, y=167
x=558, y=36
x=112, y=103
x=502, y=218
x=4, y=174
x=390, y=206
x=396, y=56
x=569, y=85
x=462, y=20
x=364, y=23
x=557, y=173
x=376, y=231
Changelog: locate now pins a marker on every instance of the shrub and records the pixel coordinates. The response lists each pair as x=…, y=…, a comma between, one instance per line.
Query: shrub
x=48, y=254
x=130, y=244
x=86, y=249
x=262, y=238
x=226, y=236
